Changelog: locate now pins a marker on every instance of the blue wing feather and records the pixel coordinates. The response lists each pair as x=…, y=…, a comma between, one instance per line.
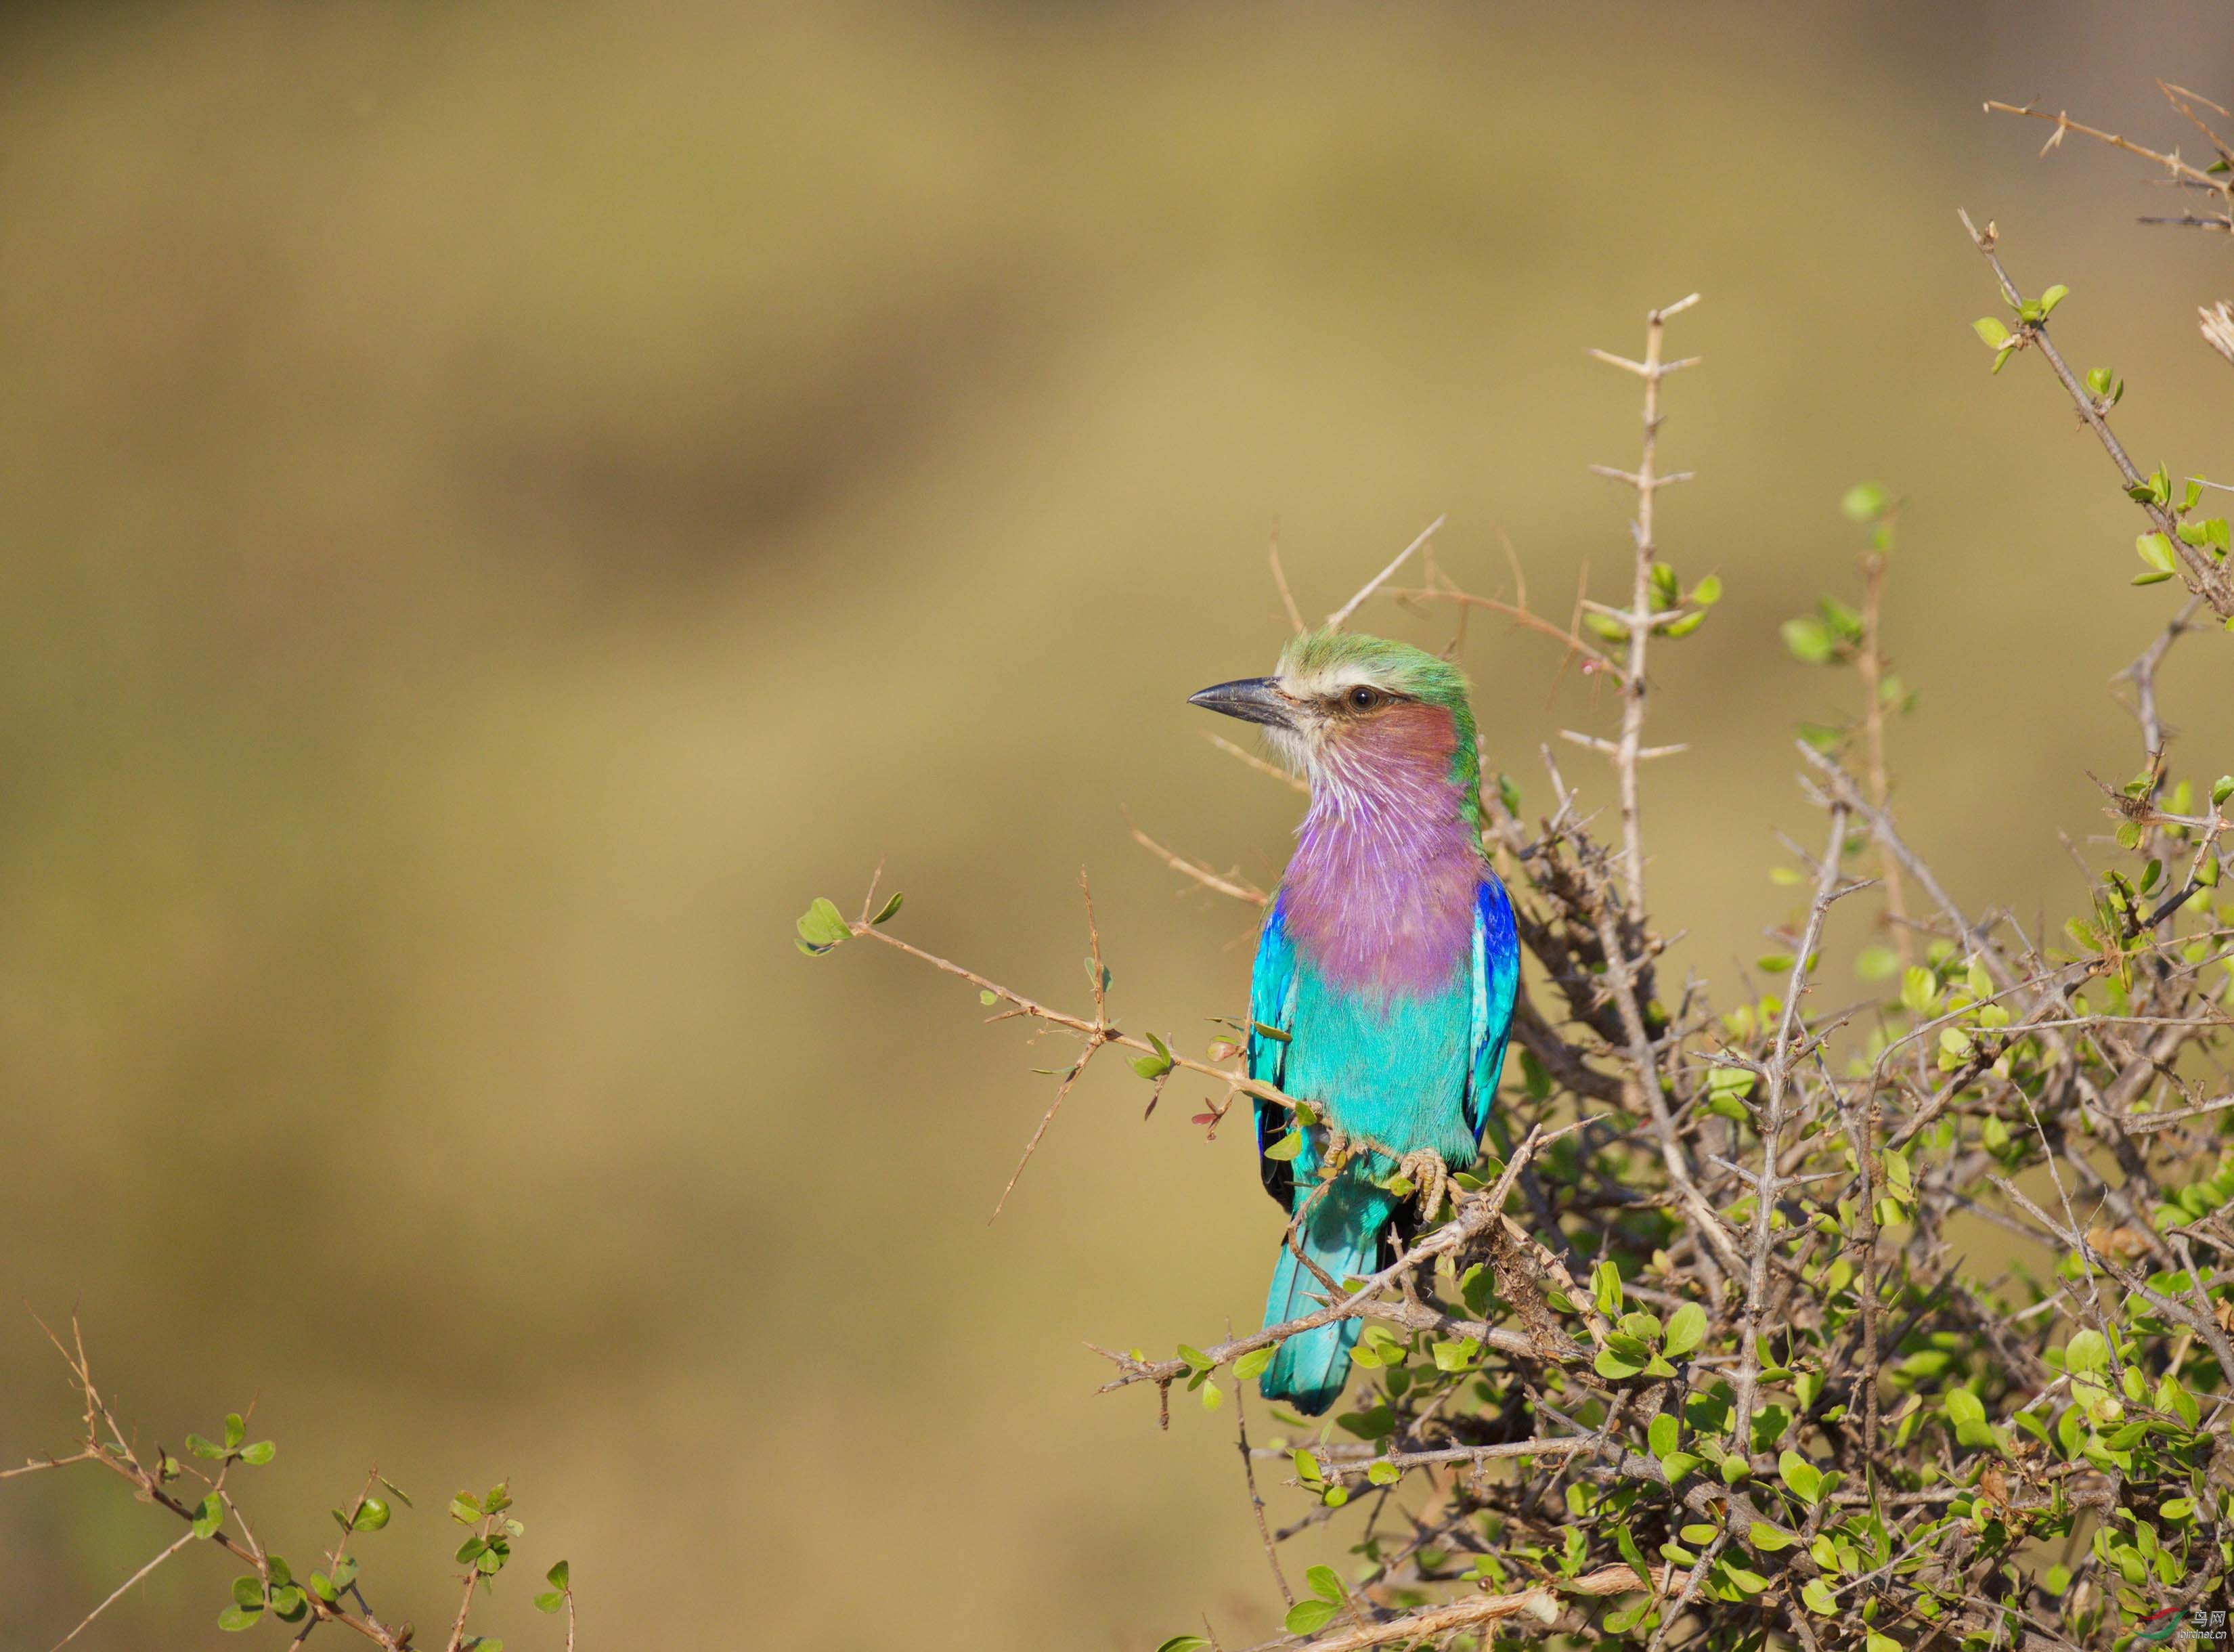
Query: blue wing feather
x=1272, y=1003
x=1496, y=986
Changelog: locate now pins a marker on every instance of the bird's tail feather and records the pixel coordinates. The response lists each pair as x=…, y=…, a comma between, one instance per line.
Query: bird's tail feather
x=1341, y=1233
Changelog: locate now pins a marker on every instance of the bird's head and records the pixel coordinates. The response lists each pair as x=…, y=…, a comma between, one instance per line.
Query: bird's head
x=1343, y=709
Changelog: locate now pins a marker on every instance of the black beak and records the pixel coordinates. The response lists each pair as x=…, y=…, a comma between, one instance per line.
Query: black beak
x=1251, y=699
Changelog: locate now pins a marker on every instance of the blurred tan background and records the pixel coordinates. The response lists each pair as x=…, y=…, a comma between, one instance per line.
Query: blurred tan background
x=501, y=503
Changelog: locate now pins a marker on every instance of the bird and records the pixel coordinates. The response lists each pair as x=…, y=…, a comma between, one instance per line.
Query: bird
x=1385, y=977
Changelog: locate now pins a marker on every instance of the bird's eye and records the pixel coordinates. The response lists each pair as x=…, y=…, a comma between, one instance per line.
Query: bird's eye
x=1362, y=698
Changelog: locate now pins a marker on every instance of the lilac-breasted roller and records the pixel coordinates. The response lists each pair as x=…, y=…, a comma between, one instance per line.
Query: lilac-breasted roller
x=1386, y=972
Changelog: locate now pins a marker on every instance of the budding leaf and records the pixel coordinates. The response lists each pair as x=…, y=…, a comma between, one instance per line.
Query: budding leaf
x=1155, y=1066
x=822, y=926
x=1809, y=640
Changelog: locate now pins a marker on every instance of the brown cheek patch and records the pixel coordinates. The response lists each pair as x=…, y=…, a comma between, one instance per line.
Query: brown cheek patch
x=1409, y=734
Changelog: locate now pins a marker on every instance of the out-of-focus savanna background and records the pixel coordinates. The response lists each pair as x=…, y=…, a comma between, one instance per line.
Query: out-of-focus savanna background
x=500, y=503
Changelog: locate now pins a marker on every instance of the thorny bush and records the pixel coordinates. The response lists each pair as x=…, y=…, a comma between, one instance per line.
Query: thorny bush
x=1692, y=1360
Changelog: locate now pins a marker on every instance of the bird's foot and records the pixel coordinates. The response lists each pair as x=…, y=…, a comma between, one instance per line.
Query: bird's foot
x=1334, y=1148
x=1430, y=1178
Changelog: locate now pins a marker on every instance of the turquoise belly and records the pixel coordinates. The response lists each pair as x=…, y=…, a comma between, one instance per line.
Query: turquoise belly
x=1393, y=1068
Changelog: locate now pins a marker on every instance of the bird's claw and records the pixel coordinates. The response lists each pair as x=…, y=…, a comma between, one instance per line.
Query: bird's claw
x=1334, y=1148
x=1430, y=1178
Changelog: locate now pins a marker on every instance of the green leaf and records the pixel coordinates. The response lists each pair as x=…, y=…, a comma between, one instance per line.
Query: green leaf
x=1662, y=1434
x=1253, y=1363
x=236, y=1429
x=1804, y=1479
x=259, y=1453
x=237, y=1618
x=2087, y=1351
x=2155, y=549
x=1748, y=1582
x=1687, y=1328
x=888, y=911
x=248, y=1591
x=2221, y=789
x=209, y=1516
x=822, y=926
x=1625, y=1540
x=1155, y=1066
x=2054, y=296
x=1308, y=1616
x=1809, y=640
x=1864, y=502
x=1606, y=1287
x=1613, y=1366
x=1677, y=1464
x=1819, y=1599
x=1991, y=331
x=371, y=1515
x=1629, y=1348
x=464, y=1509
x=1767, y=1538
x=2173, y=1397
x=1707, y=592
x=1287, y=1148
x=1877, y=963
x=1455, y=1356
x=1383, y=1473
x=1322, y=1582
x=552, y=1600
x=1185, y=1643
x=201, y=1447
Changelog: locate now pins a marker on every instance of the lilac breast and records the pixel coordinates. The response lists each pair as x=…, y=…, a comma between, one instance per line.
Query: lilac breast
x=1380, y=895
